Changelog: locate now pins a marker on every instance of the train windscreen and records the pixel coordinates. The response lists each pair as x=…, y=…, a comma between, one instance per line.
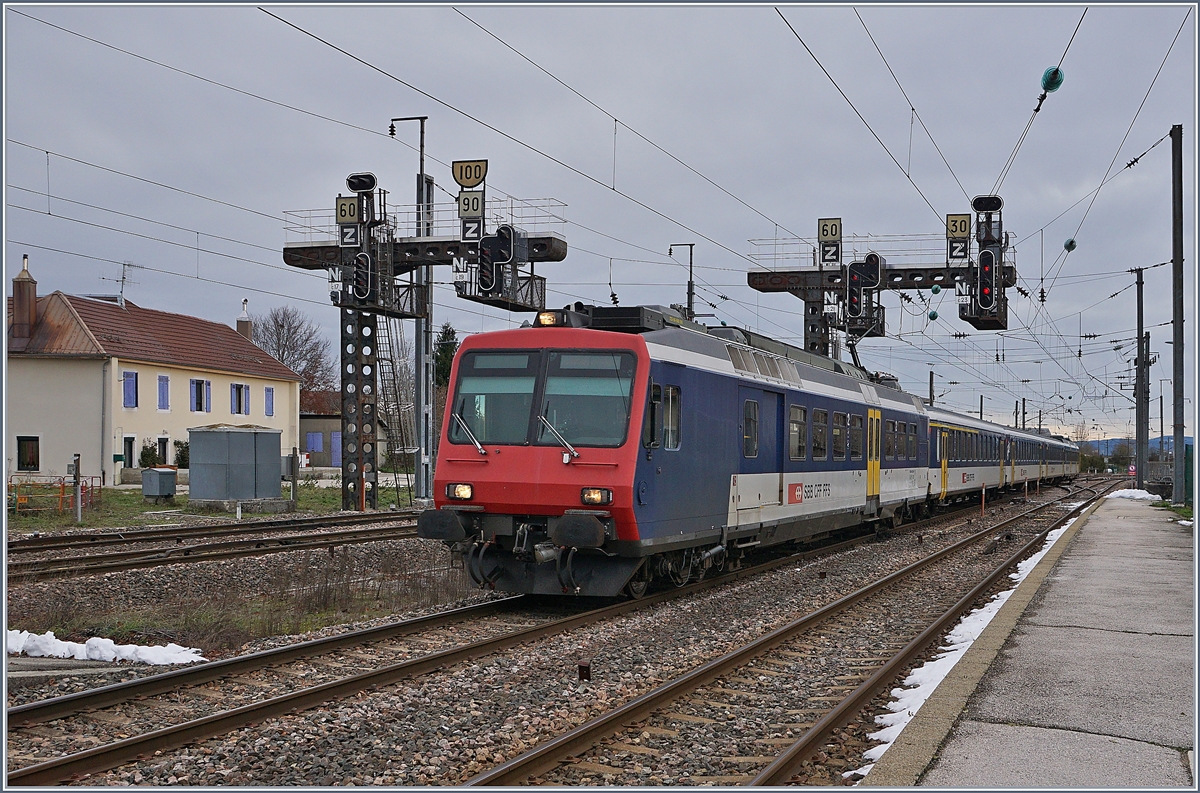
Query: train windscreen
x=585, y=395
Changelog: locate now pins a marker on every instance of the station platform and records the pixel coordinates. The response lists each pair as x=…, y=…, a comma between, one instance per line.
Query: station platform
x=1085, y=677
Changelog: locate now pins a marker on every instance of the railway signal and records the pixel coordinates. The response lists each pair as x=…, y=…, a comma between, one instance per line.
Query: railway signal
x=986, y=293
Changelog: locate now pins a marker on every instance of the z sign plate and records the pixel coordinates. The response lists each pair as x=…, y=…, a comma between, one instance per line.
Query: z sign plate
x=831, y=252
x=958, y=249
x=472, y=229
x=348, y=236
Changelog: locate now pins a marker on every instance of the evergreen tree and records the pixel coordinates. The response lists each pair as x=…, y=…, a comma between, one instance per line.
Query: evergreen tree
x=446, y=345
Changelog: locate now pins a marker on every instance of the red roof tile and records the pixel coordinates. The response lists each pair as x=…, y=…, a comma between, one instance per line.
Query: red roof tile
x=80, y=326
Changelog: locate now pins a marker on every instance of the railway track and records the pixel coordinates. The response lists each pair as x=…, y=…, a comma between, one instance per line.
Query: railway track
x=22, y=544
x=314, y=661
x=780, y=666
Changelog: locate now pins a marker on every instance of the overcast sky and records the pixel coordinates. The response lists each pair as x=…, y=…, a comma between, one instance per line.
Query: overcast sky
x=751, y=140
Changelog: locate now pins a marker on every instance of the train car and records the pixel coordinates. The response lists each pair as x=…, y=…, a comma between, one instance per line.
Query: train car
x=969, y=455
x=606, y=447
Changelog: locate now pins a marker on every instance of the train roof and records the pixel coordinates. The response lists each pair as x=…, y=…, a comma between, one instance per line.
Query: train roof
x=970, y=422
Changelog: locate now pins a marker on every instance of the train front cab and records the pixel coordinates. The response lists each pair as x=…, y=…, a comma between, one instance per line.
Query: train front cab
x=538, y=446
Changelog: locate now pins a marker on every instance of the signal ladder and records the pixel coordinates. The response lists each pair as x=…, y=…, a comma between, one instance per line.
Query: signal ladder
x=395, y=399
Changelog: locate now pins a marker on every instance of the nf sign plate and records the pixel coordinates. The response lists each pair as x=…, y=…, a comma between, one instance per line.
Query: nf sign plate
x=348, y=236
x=469, y=173
x=470, y=203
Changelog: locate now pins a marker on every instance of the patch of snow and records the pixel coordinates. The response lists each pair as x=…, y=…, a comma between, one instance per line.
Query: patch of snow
x=97, y=649
x=923, y=680
x=1184, y=522
x=1139, y=495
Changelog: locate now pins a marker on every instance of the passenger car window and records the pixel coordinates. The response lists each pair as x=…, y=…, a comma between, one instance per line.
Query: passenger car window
x=889, y=440
x=671, y=416
x=856, y=437
x=797, y=433
x=839, y=436
x=820, y=433
x=750, y=429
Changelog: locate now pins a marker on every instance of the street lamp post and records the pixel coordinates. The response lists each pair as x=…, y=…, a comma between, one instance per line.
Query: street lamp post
x=691, y=293
x=423, y=357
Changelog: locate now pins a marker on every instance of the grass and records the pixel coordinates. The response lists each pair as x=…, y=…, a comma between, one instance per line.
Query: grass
x=127, y=508
x=310, y=591
x=1182, y=510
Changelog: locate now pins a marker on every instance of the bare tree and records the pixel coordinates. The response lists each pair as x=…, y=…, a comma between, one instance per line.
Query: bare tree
x=292, y=338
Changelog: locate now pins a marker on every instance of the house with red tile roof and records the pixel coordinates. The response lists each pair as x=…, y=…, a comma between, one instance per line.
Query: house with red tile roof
x=102, y=377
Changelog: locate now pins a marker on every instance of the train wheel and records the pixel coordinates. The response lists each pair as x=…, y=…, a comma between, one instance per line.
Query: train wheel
x=637, y=586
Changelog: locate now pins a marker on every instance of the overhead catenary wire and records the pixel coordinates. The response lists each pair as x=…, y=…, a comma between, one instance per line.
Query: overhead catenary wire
x=1024, y=133
x=915, y=114
x=645, y=139
x=857, y=113
x=513, y=139
x=1121, y=145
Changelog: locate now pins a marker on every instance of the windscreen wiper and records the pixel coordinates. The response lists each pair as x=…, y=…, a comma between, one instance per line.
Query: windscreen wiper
x=570, y=450
x=462, y=423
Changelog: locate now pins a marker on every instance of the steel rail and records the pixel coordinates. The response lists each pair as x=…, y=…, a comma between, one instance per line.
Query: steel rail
x=47, y=542
x=789, y=762
x=47, y=569
x=102, y=758
x=549, y=754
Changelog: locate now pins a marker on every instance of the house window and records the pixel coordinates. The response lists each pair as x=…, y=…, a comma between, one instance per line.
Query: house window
x=797, y=432
x=820, y=434
x=269, y=401
x=750, y=429
x=201, y=396
x=164, y=392
x=28, y=456
x=314, y=441
x=671, y=417
x=129, y=386
x=239, y=399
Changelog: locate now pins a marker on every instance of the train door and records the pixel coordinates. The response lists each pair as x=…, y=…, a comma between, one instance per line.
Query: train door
x=874, y=431
x=760, y=482
x=944, y=453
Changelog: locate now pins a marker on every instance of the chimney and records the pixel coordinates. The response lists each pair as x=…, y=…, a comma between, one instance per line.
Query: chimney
x=24, y=302
x=244, y=325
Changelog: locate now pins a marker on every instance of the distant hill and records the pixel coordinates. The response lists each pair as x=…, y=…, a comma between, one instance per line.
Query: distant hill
x=1107, y=445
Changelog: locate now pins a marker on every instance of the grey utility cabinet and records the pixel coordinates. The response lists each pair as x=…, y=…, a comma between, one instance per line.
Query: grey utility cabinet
x=158, y=482
x=234, y=462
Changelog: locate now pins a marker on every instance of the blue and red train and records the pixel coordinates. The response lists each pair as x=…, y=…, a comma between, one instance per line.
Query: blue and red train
x=605, y=448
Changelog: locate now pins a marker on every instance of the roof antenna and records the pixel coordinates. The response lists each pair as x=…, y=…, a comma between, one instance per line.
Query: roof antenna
x=124, y=279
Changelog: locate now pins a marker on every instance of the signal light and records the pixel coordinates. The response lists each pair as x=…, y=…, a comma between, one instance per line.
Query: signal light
x=364, y=278
x=854, y=290
x=361, y=182
x=987, y=279
x=872, y=270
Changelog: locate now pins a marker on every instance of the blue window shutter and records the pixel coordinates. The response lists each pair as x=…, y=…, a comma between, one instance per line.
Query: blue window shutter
x=269, y=401
x=246, y=399
x=208, y=396
x=314, y=442
x=192, y=395
x=130, y=389
x=164, y=392
x=233, y=398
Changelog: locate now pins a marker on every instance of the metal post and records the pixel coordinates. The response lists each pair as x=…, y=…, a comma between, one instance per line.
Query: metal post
x=1141, y=407
x=78, y=493
x=931, y=388
x=295, y=473
x=1177, y=494
x=423, y=354
x=1022, y=412
x=981, y=407
x=1016, y=409
x=691, y=285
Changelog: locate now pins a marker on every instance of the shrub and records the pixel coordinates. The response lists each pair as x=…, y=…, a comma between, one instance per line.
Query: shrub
x=149, y=456
x=182, y=454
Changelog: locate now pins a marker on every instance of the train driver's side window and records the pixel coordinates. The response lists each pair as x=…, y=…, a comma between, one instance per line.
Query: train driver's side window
x=671, y=415
x=750, y=428
x=797, y=433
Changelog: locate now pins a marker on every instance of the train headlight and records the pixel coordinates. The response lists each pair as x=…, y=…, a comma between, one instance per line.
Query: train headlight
x=547, y=319
x=460, y=492
x=595, y=496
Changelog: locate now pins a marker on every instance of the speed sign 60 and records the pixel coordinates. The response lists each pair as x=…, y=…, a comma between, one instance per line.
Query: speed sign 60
x=829, y=230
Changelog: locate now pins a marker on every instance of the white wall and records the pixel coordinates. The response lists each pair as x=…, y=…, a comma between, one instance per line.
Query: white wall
x=59, y=401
